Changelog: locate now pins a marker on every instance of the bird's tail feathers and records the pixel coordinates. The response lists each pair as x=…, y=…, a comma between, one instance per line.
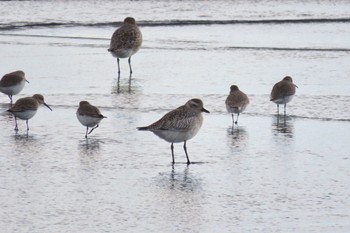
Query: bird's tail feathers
x=143, y=128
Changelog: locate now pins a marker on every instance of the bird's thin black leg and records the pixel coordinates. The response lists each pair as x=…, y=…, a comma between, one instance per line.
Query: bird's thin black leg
x=188, y=160
x=27, y=125
x=118, y=65
x=172, y=152
x=87, y=129
x=93, y=129
x=237, y=119
x=10, y=96
x=129, y=60
x=16, y=127
x=233, y=119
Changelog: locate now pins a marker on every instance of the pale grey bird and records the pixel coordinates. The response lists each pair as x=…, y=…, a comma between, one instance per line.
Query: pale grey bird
x=179, y=125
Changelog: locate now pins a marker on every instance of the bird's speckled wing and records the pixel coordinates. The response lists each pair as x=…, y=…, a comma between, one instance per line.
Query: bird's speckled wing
x=177, y=119
x=10, y=80
x=91, y=111
x=125, y=37
x=237, y=99
x=23, y=104
x=282, y=89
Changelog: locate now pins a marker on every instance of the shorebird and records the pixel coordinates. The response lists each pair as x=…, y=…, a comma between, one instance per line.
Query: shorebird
x=236, y=102
x=179, y=125
x=13, y=83
x=126, y=41
x=25, y=108
x=283, y=92
x=89, y=116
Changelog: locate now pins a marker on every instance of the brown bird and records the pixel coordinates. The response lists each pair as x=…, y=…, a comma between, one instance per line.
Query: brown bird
x=26, y=108
x=179, y=125
x=126, y=41
x=236, y=102
x=89, y=116
x=283, y=92
x=13, y=83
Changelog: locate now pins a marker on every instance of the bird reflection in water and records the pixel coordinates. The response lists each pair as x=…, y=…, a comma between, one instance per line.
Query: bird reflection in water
x=283, y=124
x=89, y=146
x=117, y=89
x=237, y=136
x=179, y=181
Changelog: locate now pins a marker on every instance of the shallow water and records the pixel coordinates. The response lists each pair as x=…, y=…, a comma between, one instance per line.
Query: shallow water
x=268, y=174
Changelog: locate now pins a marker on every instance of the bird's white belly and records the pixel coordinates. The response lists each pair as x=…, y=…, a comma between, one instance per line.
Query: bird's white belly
x=283, y=100
x=25, y=115
x=235, y=110
x=13, y=90
x=123, y=53
x=175, y=136
x=88, y=120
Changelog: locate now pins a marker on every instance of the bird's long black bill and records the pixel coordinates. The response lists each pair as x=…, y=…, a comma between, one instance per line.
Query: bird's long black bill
x=204, y=110
x=48, y=106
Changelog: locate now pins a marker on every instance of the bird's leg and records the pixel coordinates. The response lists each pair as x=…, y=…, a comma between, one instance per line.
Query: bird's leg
x=93, y=129
x=87, y=129
x=118, y=65
x=27, y=125
x=278, y=109
x=129, y=60
x=10, y=96
x=188, y=160
x=237, y=119
x=172, y=152
x=285, y=105
x=233, y=120
x=16, y=127
x=130, y=82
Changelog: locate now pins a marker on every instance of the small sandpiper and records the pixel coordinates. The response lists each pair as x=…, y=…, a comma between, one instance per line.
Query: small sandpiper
x=283, y=92
x=126, y=41
x=25, y=108
x=236, y=102
x=13, y=83
x=89, y=116
x=179, y=125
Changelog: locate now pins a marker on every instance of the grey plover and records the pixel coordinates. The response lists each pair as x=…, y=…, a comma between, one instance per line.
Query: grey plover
x=236, y=102
x=179, y=125
x=12, y=83
x=25, y=108
x=126, y=41
x=283, y=92
x=89, y=116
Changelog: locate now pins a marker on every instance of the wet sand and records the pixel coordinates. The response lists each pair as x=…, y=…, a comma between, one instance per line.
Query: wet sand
x=265, y=175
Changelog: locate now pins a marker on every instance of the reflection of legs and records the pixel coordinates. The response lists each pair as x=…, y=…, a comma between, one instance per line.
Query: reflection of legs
x=93, y=129
x=118, y=65
x=129, y=60
x=188, y=160
x=172, y=152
